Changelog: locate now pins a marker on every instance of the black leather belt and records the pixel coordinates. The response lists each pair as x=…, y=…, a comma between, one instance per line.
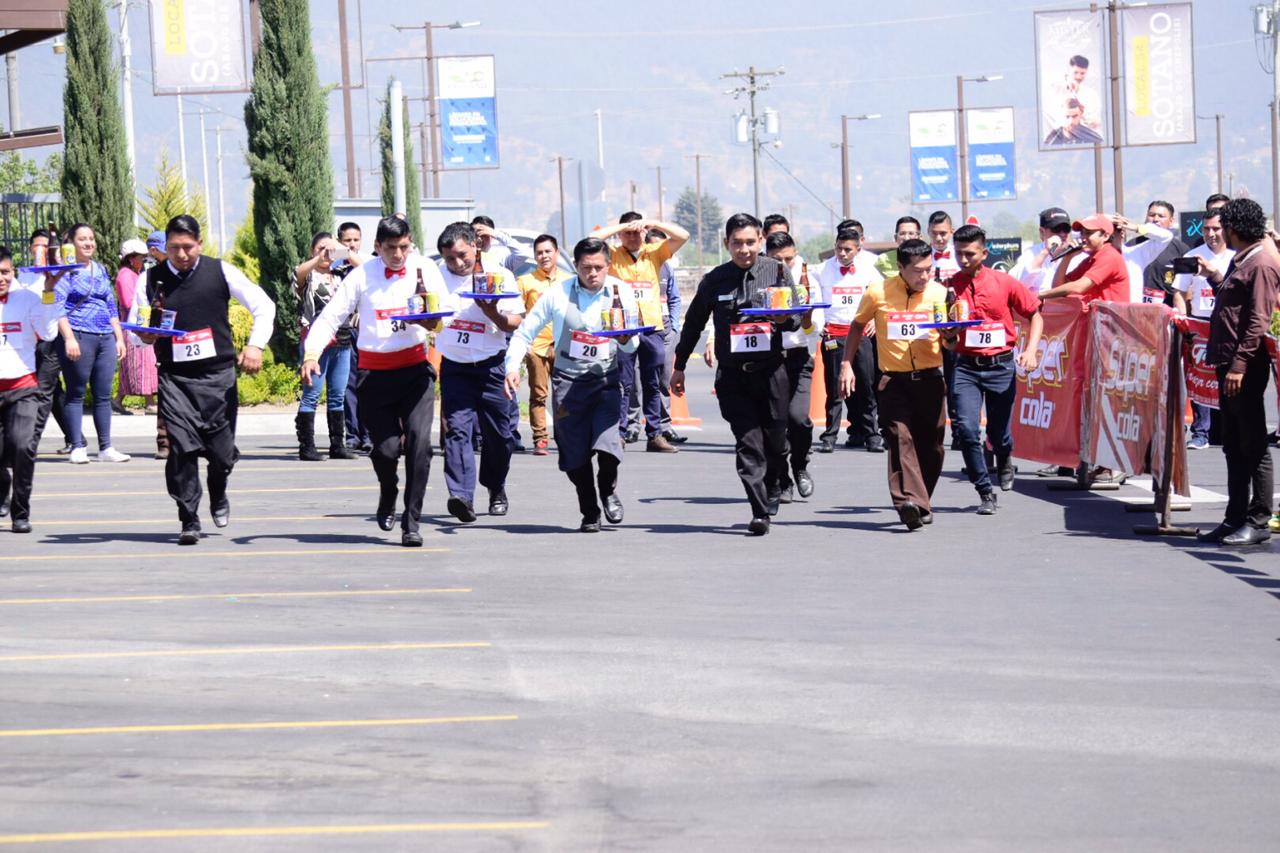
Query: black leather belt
x=914, y=375
x=763, y=364
x=986, y=360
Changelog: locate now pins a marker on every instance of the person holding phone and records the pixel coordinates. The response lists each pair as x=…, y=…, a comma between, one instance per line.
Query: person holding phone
x=316, y=279
x=1198, y=274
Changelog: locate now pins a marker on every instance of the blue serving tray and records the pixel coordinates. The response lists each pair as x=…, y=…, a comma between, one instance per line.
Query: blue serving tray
x=467, y=294
x=620, y=333
x=951, y=324
x=52, y=268
x=433, y=315
x=148, y=330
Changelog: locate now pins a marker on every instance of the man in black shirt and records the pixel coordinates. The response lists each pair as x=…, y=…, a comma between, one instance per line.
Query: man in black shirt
x=752, y=387
x=1158, y=276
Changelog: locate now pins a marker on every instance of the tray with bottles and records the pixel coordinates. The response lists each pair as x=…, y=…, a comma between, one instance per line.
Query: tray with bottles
x=51, y=268
x=765, y=312
x=471, y=294
x=428, y=315
x=622, y=333
x=951, y=324
x=151, y=330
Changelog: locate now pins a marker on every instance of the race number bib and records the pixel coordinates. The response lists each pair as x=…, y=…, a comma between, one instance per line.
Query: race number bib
x=465, y=333
x=641, y=291
x=194, y=346
x=1152, y=296
x=986, y=336
x=11, y=336
x=905, y=325
x=749, y=338
x=385, y=325
x=1204, y=300
x=584, y=346
x=846, y=296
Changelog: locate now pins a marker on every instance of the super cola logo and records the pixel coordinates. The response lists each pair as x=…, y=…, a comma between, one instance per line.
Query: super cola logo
x=1034, y=408
x=1129, y=370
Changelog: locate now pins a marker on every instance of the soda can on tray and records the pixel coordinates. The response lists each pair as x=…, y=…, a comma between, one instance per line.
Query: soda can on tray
x=68, y=253
x=779, y=297
x=961, y=310
x=433, y=302
x=606, y=319
x=42, y=256
x=939, y=312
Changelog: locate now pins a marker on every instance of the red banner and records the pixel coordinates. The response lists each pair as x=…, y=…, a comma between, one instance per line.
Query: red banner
x=1046, y=423
x=1202, y=379
x=1127, y=406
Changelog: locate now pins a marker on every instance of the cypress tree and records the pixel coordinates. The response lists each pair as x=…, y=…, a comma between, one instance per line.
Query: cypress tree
x=412, y=192
x=288, y=158
x=97, y=186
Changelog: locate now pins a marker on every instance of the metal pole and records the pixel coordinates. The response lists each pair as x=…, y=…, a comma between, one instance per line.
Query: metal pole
x=11, y=75
x=1097, y=178
x=126, y=98
x=182, y=148
x=962, y=150
x=396, y=109
x=222, y=199
x=1217, y=129
x=348, y=131
x=422, y=130
x=660, y=216
x=697, y=182
x=600, y=151
x=1116, y=143
x=755, y=141
x=204, y=163
x=632, y=184
x=431, y=109
x=1275, y=114
x=560, y=177
x=844, y=167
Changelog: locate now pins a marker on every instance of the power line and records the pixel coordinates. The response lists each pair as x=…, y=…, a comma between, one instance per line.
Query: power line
x=802, y=184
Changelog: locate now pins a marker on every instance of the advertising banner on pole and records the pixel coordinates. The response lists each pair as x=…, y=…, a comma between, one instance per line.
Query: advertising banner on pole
x=989, y=134
x=1070, y=78
x=1046, y=423
x=468, y=112
x=1158, y=71
x=1202, y=379
x=1128, y=379
x=935, y=173
x=198, y=48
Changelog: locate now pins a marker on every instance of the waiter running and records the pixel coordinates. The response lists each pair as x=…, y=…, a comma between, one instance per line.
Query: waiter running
x=472, y=376
x=395, y=385
x=984, y=360
x=913, y=393
x=751, y=379
x=586, y=388
x=25, y=319
x=197, y=371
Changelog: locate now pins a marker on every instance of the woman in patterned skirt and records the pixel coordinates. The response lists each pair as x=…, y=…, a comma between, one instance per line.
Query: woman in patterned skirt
x=138, y=370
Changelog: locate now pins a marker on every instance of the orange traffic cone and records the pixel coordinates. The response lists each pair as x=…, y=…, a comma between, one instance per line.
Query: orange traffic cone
x=680, y=411
x=818, y=391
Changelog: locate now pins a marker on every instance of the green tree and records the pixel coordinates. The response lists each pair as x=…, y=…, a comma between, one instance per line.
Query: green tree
x=243, y=253
x=167, y=198
x=712, y=218
x=288, y=158
x=412, y=194
x=20, y=174
x=96, y=183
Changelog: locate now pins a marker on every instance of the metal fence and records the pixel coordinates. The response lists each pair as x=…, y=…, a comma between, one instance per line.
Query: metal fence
x=22, y=213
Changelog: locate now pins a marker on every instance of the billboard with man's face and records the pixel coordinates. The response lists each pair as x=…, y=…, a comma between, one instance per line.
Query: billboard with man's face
x=1070, y=80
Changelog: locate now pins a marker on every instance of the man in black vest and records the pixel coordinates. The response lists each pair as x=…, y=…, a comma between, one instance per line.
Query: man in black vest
x=197, y=369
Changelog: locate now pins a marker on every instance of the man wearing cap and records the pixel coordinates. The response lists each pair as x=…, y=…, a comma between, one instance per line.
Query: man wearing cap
x=1037, y=263
x=984, y=360
x=912, y=390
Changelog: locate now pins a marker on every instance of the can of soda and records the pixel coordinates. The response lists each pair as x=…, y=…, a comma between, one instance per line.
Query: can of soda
x=168, y=319
x=962, y=310
x=68, y=253
x=433, y=302
x=42, y=256
x=606, y=319
x=491, y=283
x=939, y=312
x=779, y=297
x=144, y=315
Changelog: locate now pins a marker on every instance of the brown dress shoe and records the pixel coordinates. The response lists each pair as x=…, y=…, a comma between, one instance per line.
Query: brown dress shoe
x=658, y=444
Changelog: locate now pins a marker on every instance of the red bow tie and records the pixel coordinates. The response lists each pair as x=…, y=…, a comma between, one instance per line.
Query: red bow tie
x=938, y=256
x=390, y=273
x=846, y=270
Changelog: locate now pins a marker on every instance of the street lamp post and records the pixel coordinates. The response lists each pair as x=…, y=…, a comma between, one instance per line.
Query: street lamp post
x=962, y=141
x=845, y=206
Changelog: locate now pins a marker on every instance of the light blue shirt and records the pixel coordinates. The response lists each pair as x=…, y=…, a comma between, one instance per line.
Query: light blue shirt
x=551, y=309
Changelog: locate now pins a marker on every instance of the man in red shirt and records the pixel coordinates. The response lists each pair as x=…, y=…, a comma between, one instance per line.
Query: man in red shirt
x=985, y=360
x=1102, y=275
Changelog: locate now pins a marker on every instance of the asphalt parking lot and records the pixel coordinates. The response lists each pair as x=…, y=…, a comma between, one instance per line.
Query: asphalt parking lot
x=1038, y=680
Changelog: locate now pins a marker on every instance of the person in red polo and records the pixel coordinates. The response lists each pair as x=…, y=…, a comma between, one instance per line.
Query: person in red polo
x=985, y=360
x=1102, y=275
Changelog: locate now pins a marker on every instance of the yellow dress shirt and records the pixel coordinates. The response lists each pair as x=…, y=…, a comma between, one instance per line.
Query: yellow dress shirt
x=888, y=300
x=643, y=274
x=532, y=286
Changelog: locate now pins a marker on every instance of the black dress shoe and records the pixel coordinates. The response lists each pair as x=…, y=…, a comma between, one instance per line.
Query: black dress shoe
x=498, y=502
x=926, y=517
x=590, y=526
x=875, y=444
x=387, y=509
x=674, y=437
x=631, y=436
x=1214, y=536
x=21, y=525
x=758, y=526
x=411, y=539
x=787, y=495
x=190, y=534
x=852, y=442
x=461, y=510
x=909, y=513
x=520, y=448
x=4, y=508
x=1246, y=534
x=64, y=450
x=774, y=502
x=613, y=508
x=826, y=446
x=1006, y=470
x=804, y=483
x=221, y=510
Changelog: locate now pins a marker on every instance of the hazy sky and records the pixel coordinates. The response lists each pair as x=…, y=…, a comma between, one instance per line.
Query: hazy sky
x=656, y=76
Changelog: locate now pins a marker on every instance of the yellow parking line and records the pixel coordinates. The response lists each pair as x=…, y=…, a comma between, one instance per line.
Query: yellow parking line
x=273, y=831
x=247, y=552
x=60, y=522
x=158, y=471
x=242, y=650
x=248, y=727
x=98, y=599
x=156, y=494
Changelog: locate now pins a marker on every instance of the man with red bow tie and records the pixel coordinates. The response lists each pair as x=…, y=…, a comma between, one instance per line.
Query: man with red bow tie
x=945, y=266
x=842, y=281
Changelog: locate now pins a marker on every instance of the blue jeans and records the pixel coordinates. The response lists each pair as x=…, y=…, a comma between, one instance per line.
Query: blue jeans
x=335, y=369
x=641, y=374
x=1200, y=420
x=95, y=369
x=973, y=384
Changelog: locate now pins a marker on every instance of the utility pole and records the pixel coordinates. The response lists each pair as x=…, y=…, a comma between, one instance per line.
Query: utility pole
x=846, y=207
x=632, y=185
x=182, y=147
x=697, y=191
x=753, y=86
x=397, y=145
x=962, y=138
x=11, y=76
x=1217, y=132
x=1267, y=23
x=204, y=162
x=600, y=150
x=1117, y=165
x=348, y=131
x=559, y=161
x=126, y=97
x=660, y=216
x=222, y=199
